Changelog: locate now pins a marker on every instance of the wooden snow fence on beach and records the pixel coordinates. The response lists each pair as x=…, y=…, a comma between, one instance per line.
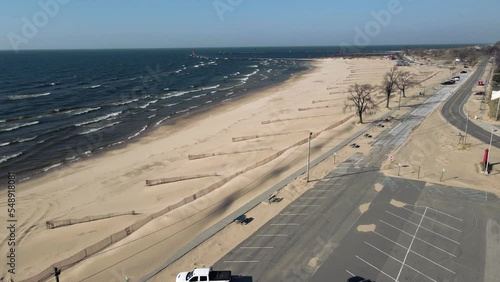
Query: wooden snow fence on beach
x=51, y=224
x=114, y=238
x=202, y=156
x=153, y=182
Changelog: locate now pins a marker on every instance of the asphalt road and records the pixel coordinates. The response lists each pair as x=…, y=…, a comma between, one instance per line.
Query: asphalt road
x=347, y=226
x=453, y=109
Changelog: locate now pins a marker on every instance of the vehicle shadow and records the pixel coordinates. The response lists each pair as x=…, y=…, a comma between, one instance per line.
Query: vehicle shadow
x=241, y=278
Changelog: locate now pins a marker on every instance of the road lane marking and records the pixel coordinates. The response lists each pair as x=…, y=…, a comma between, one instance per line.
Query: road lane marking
x=272, y=235
x=256, y=247
x=311, y=198
x=294, y=214
x=303, y=205
x=451, y=227
x=241, y=261
x=284, y=224
x=376, y=268
x=411, y=244
x=423, y=241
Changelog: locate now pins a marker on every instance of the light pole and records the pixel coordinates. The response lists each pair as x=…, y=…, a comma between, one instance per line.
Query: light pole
x=399, y=105
x=308, y=154
x=486, y=171
x=466, y=125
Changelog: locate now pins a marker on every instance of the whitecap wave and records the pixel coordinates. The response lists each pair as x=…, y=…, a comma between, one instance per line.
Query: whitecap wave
x=82, y=111
x=52, y=167
x=98, y=128
x=4, y=144
x=28, y=96
x=124, y=102
x=162, y=120
x=6, y=158
x=19, y=125
x=137, y=134
x=97, y=119
x=95, y=86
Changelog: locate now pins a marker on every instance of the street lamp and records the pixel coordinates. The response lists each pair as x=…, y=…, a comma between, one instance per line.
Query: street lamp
x=308, y=155
x=489, y=151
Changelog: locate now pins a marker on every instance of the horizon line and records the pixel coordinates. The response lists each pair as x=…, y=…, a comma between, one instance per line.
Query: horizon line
x=222, y=47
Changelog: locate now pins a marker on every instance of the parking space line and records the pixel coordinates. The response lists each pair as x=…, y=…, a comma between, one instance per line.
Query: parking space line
x=451, y=216
x=272, y=235
x=423, y=241
x=256, y=247
x=411, y=182
x=427, y=229
x=451, y=227
x=311, y=198
x=413, y=252
x=399, y=261
x=350, y=273
x=284, y=224
x=379, y=270
x=321, y=190
x=294, y=214
x=411, y=244
x=241, y=261
x=303, y=205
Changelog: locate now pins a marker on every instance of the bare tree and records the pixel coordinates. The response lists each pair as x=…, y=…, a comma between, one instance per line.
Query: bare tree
x=405, y=81
x=360, y=98
x=389, y=83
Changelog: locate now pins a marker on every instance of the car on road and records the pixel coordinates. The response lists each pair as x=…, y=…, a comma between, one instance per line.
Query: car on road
x=449, y=82
x=359, y=279
x=204, y=274
x=480, y=93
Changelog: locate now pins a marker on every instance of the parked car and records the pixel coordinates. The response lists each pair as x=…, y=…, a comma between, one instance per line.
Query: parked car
x=480, y=83
x=449, y=82
x=456, y=78
x=359, y=279
x=204, y=274
x=479, y=93
x=464, y=71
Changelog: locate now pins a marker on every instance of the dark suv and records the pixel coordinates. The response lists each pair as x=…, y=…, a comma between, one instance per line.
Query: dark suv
x=359, y=279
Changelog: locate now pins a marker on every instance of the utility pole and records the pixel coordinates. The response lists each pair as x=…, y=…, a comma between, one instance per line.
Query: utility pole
x=399, y=105
x=486, y=171
x=308, y=154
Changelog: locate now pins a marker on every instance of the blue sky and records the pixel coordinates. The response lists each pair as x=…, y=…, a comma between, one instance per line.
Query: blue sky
x=226, y=23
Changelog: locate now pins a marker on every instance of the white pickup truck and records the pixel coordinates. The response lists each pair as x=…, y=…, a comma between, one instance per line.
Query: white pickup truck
x=204, y=274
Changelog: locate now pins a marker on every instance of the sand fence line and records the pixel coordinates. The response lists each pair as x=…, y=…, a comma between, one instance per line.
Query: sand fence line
x=290, y=119
x=120, y=235
x=51, y=224
x=153, y=182
x=202, y=156
x=326, y=100
x=314, y=108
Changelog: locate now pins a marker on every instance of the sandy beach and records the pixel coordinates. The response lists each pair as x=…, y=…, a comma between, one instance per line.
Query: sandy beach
x=217, y=143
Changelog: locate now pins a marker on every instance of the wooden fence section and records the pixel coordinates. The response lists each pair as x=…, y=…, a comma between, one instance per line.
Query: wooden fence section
x=153, y=182
x=51, y=224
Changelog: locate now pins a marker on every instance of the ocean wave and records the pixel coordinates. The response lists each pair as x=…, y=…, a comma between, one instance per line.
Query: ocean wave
x=137, y=134
x=182, y=111
x=151, y=116
x=6, y=158
x=253, y=66
x=49, y=84
x=94, y=86
x=124, y=102
x=19, y=126
x=162, y=120
x=252, y=74
x=82, y=111
x=28, y=96
x=179, y=93
x=52, y=167
x=170, y=105
x=98, y=128
x=4, y=144
x=198, y=96
x=148, y=103
x=97, y=119
x=208, y=102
